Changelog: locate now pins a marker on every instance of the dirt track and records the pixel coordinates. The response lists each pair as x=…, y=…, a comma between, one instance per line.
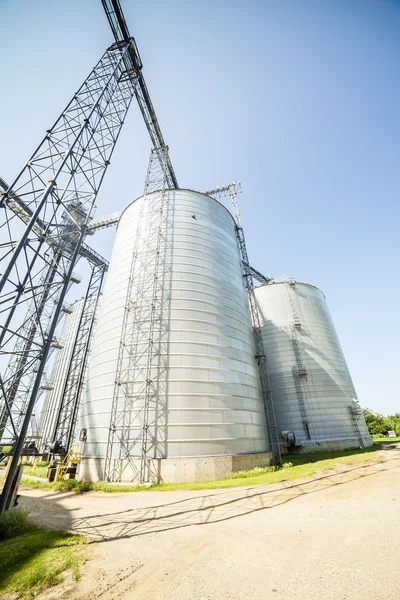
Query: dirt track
x=335, y=536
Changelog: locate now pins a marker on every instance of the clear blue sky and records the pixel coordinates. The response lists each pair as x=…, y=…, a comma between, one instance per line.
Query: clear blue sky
x=297, y=99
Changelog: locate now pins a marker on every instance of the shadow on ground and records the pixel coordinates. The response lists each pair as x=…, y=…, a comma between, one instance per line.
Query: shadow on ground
x=95, y=519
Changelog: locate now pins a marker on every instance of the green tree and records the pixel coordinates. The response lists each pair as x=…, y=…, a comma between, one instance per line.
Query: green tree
x=377, y=425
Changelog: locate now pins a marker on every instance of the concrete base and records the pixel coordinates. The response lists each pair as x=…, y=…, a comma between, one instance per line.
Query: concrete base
x=181, y=470
x=332, y=445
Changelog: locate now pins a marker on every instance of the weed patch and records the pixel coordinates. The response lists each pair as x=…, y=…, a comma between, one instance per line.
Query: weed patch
x=14, y=522
x=33, y=559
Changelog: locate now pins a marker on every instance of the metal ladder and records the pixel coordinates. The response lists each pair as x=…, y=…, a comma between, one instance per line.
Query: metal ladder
x=355, y=413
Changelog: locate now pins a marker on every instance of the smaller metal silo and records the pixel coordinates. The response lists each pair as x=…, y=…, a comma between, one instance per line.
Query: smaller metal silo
x=54, y=386
x=311, y=386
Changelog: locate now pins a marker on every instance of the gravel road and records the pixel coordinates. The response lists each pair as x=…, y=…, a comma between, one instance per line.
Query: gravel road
x=334, y=536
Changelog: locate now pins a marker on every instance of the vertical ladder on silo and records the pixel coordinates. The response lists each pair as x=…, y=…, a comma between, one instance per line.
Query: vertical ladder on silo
x=355, y=413
x=299, y=369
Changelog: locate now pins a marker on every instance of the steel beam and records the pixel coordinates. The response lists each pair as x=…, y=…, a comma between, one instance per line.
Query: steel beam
x=23, y=211
x=120, y=31
x=104, y=222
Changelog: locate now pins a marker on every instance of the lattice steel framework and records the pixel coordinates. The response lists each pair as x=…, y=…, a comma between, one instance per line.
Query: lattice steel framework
x=255, y=315
x=20, y=371
x=23, y=379
x=67, y=413
x=44, y=215
x=137, y=433
x=120, y=30
x=235, y=188
x=43, y=222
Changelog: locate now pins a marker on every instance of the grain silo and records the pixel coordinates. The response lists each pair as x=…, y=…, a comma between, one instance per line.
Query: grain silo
x=311, y=386
x=54, y=386
x=197, y=413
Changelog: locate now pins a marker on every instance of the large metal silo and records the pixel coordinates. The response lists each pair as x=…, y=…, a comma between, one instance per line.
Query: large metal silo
x=311, y=386
x=207, y=407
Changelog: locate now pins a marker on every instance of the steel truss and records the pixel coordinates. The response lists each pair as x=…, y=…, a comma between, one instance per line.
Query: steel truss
x=120, y=31
x=67, y=412
x=227, y=190
x=17, y=363
x=53, y=199
x=43, y=222
x=255, y=315
x=20, y=370
x=103, y=223
x=137, y=433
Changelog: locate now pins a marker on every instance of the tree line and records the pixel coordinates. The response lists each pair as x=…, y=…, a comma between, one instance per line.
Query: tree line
x=379, y=425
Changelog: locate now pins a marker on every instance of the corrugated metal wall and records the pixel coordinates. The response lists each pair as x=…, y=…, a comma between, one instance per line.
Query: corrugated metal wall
x=213, y=399
x=311, y=385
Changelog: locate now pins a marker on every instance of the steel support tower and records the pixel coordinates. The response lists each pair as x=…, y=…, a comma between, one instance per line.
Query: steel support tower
x=22, y=379
x=44, y=217
x=67, y=412
x=42, y=238
x=248, y=274
x=139, y=407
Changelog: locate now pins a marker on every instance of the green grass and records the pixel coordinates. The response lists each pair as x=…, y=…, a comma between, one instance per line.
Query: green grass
x=36, y=558
x=31, y=484
x=385, y=440
x=304, y=465
x=39, y=471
